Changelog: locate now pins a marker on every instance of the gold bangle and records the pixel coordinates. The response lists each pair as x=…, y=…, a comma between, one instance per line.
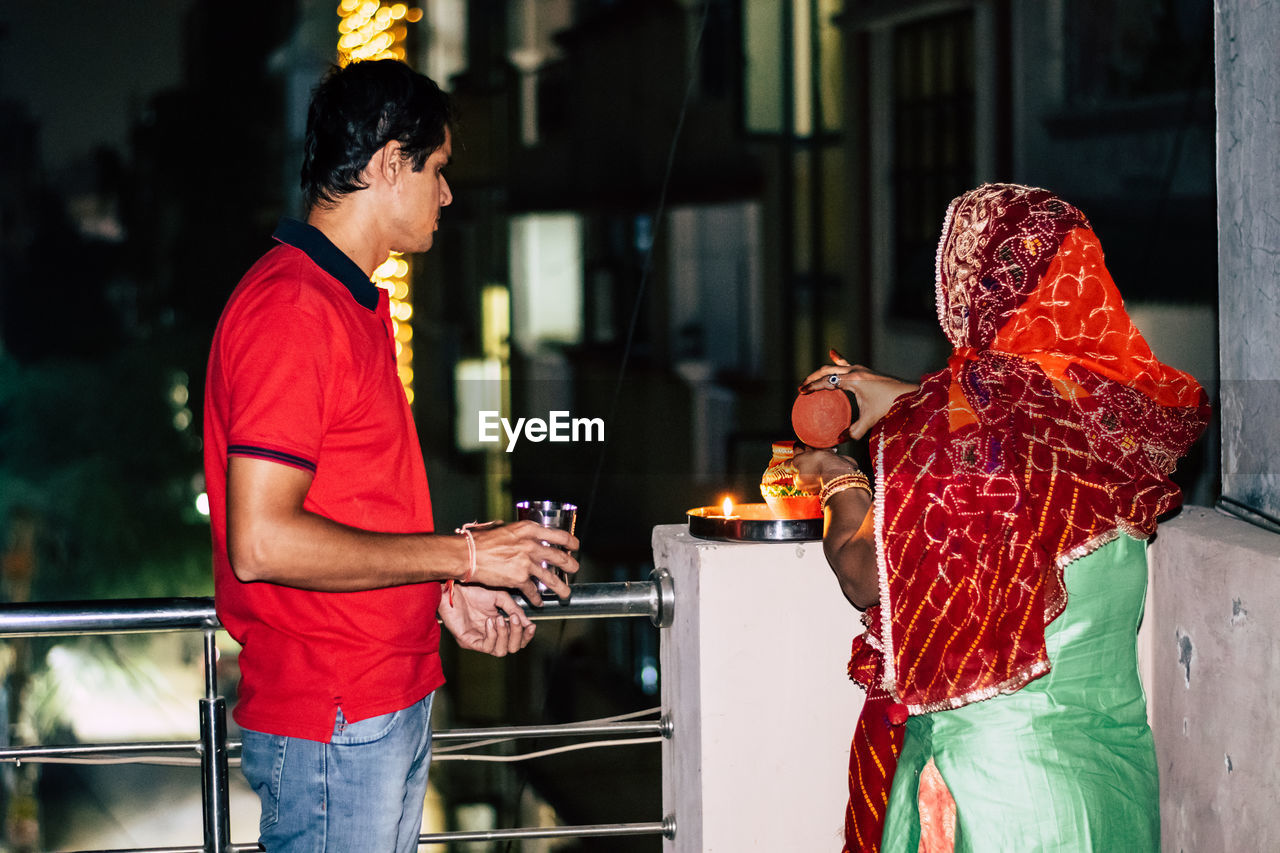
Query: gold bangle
x=852, y=480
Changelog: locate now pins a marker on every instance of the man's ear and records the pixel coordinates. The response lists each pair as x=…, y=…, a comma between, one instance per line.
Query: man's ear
x=386, y=165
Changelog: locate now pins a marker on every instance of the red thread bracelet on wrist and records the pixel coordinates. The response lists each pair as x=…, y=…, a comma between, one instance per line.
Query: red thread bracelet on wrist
x=465, y=530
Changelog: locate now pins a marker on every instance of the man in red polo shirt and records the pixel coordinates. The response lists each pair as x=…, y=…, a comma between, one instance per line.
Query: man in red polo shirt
x=327, y=570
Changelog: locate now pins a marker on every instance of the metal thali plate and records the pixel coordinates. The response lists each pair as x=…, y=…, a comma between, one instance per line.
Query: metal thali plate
x=751, y=523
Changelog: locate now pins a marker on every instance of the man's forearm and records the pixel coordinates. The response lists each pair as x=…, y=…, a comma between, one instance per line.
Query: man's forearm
x=272, y=537
x=308, y=551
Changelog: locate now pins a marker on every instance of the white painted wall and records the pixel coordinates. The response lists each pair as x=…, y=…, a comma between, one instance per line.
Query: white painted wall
x=754, y=678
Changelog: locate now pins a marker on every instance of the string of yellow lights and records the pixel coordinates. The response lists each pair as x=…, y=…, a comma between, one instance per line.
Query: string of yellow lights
x=393, y=274
x=369, y=29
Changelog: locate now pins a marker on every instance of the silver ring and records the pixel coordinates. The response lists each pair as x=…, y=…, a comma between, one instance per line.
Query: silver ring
x=833, y=379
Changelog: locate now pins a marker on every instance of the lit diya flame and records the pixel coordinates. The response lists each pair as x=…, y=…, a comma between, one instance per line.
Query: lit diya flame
x=727, y=507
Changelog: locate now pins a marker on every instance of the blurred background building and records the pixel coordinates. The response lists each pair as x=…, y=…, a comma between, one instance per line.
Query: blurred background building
x=665, y=212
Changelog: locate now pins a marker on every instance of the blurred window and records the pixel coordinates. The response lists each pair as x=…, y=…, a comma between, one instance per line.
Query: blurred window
x=933, y=138
x=1124, y=49
x=715, y=310
x=444, y=50
x=546, y=280
x=793, y=77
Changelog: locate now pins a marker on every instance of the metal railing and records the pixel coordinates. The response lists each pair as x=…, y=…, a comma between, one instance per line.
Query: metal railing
x=654, y=598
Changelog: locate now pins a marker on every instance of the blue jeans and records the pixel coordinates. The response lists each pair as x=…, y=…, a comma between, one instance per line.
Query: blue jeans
x=362, y=791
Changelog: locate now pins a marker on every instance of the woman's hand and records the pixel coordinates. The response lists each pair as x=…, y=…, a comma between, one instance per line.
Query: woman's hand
x=874, y=392
x=815, y=467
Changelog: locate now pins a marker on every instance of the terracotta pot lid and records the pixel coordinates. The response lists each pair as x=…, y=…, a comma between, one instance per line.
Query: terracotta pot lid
x=822, y=419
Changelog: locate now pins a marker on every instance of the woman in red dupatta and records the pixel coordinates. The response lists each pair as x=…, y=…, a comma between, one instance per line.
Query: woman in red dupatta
x=1003, y=559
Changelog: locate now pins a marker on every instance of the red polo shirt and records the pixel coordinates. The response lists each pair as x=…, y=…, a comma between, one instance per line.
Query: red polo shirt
x=303, y=373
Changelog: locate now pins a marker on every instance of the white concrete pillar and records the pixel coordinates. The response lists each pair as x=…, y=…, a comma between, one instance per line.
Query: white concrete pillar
x=754, y=678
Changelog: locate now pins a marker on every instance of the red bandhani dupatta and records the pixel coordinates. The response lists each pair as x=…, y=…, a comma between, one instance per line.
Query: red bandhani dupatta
x=1052, y=430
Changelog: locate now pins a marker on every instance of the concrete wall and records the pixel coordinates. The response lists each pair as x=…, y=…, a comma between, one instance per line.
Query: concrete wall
x=1214, y=609
x=1214, y=620
x=1248, y=98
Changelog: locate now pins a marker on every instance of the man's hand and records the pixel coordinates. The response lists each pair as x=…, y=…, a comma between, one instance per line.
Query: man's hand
x=874, y=392
x=511, y=556
x=486, y=620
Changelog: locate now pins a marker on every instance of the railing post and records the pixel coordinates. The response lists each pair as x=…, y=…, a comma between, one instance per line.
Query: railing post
x=213, y=755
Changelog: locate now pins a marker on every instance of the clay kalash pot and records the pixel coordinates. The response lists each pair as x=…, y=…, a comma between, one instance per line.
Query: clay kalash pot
x=778, y=486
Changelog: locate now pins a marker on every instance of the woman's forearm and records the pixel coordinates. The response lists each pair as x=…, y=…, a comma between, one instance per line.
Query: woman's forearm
x=849, y=545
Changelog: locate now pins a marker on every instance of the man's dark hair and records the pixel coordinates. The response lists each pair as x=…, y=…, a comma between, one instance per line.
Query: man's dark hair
x=360, y=108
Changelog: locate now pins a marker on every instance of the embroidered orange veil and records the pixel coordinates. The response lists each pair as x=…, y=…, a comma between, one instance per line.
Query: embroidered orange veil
x=1052, y=430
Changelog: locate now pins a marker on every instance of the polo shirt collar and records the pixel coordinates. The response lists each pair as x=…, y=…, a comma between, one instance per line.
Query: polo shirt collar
x=312, y=242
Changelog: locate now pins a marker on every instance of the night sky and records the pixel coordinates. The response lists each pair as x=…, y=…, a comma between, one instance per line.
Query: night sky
x=85, y=68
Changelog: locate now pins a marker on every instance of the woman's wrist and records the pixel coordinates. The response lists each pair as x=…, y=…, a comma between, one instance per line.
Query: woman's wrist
x=851, y=478
x=838, y=467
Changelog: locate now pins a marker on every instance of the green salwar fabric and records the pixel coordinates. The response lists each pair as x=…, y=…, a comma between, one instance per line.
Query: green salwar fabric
x=1067, y=763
